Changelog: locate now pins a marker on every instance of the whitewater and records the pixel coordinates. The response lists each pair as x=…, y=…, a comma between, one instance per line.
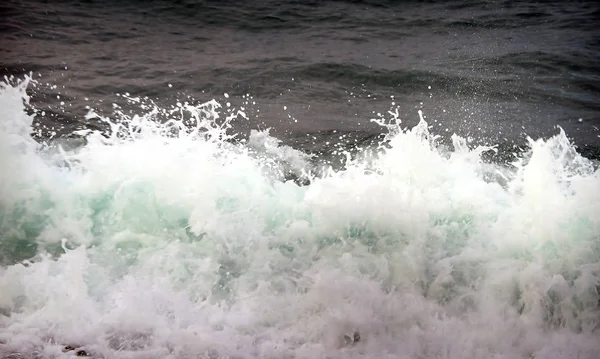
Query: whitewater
x=175, y=238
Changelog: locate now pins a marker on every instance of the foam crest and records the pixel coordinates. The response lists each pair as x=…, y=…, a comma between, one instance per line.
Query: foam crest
x=166, y=236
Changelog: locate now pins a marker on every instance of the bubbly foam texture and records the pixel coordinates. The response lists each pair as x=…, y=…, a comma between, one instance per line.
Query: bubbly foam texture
x=168, y=240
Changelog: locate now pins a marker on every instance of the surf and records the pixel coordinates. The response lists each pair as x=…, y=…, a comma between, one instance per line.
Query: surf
x=169, y=236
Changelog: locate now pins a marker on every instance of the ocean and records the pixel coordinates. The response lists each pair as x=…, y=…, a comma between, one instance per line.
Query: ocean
x=299, y=179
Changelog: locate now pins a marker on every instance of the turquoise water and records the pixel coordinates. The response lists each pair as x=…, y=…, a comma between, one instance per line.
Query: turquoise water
x=170, y=241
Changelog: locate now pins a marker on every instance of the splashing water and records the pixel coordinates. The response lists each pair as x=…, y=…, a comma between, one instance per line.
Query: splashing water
x=168, y=240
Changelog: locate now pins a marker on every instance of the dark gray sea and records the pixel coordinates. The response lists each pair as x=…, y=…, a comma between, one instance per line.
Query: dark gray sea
x=300, y=179
x=494, y=70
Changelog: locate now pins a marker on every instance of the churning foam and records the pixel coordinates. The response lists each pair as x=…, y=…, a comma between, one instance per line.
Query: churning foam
x=170, y=241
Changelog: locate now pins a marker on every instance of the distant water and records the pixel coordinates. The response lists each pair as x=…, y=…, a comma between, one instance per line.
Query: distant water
x=328, y=179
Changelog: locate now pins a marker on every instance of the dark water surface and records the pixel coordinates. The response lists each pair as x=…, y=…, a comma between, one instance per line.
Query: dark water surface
x=493, y=70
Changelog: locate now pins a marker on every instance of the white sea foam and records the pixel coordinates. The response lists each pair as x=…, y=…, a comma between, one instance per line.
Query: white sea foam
x=158, y=241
